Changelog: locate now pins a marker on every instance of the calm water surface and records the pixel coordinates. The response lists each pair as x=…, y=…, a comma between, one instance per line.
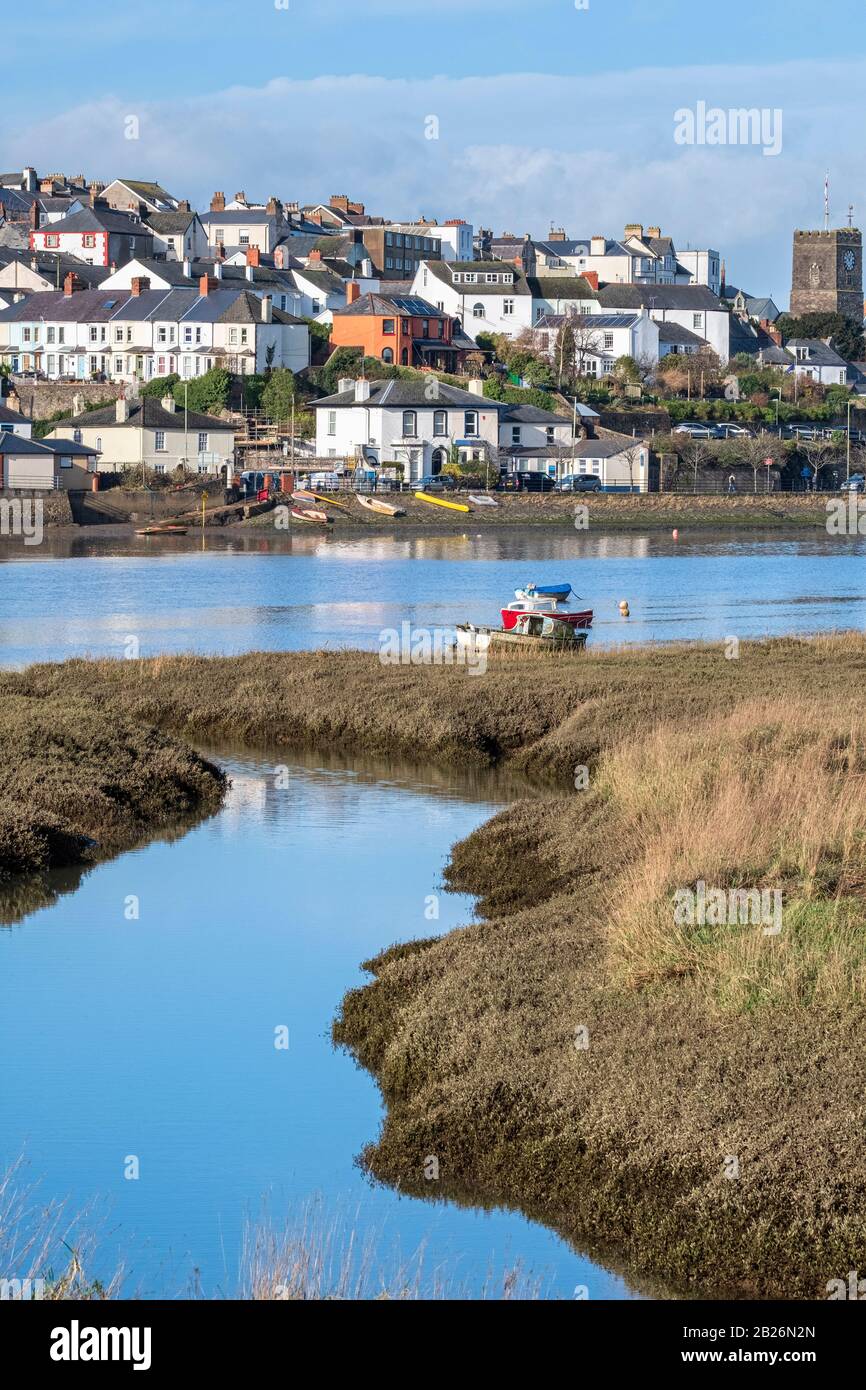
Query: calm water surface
x=154, y=1037
x=88, y=597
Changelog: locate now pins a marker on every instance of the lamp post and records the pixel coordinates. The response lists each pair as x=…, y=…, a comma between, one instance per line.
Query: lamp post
x=848, y=443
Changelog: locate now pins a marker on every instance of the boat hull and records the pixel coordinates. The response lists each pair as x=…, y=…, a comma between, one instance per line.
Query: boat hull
x=310, y=514
x=558, y=592
x=580, y=622
x=442, y=502
x=372, y=504
x=480, y=638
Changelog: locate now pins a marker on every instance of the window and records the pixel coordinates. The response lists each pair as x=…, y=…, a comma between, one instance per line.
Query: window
x=25, y=335
x=332, y=422
x=478, y=311
x=508, y=306
x=697, y=320
x=470, y=423
x=404, y=357
x=159, y=441
x=388, y=355
x=470, y=277
x=118, y=364
x=219, y=235
x=61, y=335
x=550, y=434
x=88, y=239
x=233, y=337
x=410, y=424
x=389, y=238
x=389, y=264
x=49, y=335
x=244, y=336
x=316, y=303
x=118, y=335
x=159, y=468
x=202, y=442
x=94, y=365
x=161, y=335
x=608, y=340
x=76, y=435
x=52, y=239
x=387, y=326
x=492, y=279
x=244, y=238
x=66, y=461
x=440, y=422
x=50, y=366
x=98, y=445
x=187, y=335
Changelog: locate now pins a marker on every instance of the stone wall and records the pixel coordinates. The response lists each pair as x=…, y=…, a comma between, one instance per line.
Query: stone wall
x=42, y=399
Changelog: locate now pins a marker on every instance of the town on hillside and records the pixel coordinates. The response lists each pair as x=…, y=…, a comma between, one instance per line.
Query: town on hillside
x=254, y=341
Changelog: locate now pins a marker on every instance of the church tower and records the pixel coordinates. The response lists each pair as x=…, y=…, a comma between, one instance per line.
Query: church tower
x=828, y=273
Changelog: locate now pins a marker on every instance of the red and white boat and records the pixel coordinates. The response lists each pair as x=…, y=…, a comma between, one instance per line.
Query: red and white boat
x=580, y=622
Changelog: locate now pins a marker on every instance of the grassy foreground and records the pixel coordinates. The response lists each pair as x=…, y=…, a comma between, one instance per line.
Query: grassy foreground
x=686, y=1102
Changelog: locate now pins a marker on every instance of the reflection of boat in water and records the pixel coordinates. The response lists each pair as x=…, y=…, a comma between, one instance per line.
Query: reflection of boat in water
x=162, y=531
x=373, y=504
x=538, y=631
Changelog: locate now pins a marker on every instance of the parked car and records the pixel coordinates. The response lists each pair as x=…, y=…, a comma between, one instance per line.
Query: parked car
x=698, y=431
x=436, y=482
x=727, y=431
x=856, y=483
x=535, y=482
x=580, y=482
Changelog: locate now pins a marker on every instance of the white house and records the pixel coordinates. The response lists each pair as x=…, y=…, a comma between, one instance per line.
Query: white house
x=486, y=296
x=178, y=235
x=621, y=464
x=97, y=235
x=414, y=423
x=43, y=465
x=704, y=267
x=15, y=423
x=130, y=195
x=158, y=435
x=600, y=339
x=807, y=357
x=688, y=306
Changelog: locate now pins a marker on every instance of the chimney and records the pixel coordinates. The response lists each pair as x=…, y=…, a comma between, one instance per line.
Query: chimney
x=218, y=202
x=362, y=389
x=654, y=232
x=206, y=285
x=253, y=255
x=70, y=284
x=138, y=285
x=94, y=194
x=367, y=268
x=184, y=205
x=78, y=404
x=353, y=291
x=46, y=186
x=279, y=258
x=597, y=245
x=557, y=234
x=30, y=180
x=274, y=207
x=250, y=271
x=121, y=410
x=591, y=278
x=315, y=256
x=218, y=268
x=633, y=229
x=220, y=252
x=241, y=198
x=346, y=383
x=187, y=267
x=34, y=217
x=339, y=202
x=772, y=332
x=476, y=386
x=168, y=403
x=267, y=309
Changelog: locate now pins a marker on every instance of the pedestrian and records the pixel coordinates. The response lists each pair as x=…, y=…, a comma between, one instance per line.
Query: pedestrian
x=732, y=483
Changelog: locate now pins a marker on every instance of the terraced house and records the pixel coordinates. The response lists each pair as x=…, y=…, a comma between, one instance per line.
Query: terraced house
x=496, y=297
x=141, y=333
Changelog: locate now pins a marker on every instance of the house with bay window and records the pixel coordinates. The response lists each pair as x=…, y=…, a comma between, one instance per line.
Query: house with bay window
x=417, y=424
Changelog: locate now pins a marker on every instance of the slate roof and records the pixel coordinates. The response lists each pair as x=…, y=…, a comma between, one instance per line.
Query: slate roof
x=146, y=410
x=12, y=417
x=397, y=307
x=147, y=189
x=820, y=355
x=673, y=333
x=15, y=444
x=693, y=297
x=603, y=448
x=228, y=305
x=96, y=220
x=560, y=287
x=532, y=415
x=441, y=270
x=404, y=394
x=168, y=223
x=47, y=264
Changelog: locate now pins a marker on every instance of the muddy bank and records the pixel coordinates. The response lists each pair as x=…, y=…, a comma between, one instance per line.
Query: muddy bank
x=686, y=1103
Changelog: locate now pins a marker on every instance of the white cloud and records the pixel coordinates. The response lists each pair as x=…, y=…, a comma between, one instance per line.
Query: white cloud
x=515, y=151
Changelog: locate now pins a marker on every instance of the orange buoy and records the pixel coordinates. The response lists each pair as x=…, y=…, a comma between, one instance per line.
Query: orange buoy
x=675, y=533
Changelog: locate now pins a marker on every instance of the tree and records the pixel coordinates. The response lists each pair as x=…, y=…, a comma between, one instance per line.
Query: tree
x=207, y=393
x=159, y=386
x=819, y=454
x=564, y=352
x=626, y=370
x=847, y=334
x=752, y=451
x=632, y=457
x=587, y=341
x=279, y=394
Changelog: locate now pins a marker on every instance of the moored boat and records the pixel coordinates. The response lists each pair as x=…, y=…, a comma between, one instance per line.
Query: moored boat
x=558, y=592
x=162, y=531
x=538, y=631
x=310, y=514
x=581, y=620
x=482, y=500
x=373, y=504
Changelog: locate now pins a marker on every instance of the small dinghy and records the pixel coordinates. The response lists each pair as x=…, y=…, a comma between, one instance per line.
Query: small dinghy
x=482, y=500
x=310, y=514
x=162, y=531
x=558, y=592
x=541, y=632
x=544, y=607
x=372, y=504
x=442, y=502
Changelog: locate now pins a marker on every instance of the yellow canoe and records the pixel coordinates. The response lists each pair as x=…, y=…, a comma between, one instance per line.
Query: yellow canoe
x=441, y=502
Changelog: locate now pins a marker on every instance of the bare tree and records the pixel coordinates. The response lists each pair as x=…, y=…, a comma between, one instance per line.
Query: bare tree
x=587, y=341
x=819, y=454
x=753, y=451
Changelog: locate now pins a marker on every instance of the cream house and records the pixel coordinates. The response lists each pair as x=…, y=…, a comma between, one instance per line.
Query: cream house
x=159, y=435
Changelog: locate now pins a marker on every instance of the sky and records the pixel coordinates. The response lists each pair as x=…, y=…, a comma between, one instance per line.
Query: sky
x=514, y=115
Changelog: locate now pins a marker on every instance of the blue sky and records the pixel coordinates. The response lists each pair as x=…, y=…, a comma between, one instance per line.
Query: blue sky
x=547, y=113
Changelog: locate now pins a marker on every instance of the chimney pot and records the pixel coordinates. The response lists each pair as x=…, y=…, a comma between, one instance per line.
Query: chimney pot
x=253, y=256
x=218, y=202
x=353, y=291
x=267, y=309
x=138, y=285
x=168, y=403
